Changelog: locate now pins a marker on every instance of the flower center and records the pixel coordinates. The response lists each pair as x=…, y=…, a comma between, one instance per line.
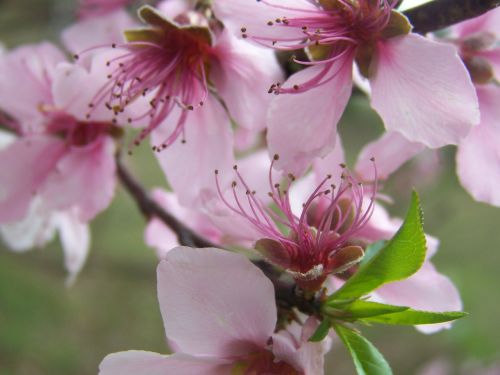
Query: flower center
x=263, y=362
x=167, y=64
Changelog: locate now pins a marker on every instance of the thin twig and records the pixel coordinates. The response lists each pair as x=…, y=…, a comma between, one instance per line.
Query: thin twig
x=150, y=208
x=439, y=14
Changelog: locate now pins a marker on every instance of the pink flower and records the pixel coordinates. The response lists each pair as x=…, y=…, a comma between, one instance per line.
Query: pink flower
x=61, y=155
x=186, y=71
x=426, y=290
x=39, y=227
x=419, y=87
x=478, y=155
x=317, y=242
x=211, y=219
x=216, y=328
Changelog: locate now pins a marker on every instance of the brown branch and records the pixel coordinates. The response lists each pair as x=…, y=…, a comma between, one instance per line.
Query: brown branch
x=150, y=208
x=439, y=14
x=287, y=294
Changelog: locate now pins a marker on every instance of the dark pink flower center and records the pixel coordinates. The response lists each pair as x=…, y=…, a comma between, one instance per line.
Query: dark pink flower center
x=166, y=65
x=330, y=217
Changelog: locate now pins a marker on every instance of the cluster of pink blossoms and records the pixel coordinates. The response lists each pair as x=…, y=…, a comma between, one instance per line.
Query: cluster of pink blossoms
x=202, y=82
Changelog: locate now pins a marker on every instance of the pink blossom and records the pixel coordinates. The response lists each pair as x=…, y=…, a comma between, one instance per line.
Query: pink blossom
x=419, y=87
x=317, y=241
x=39, y=227
x=216, y=328
x=426, y=290
x=186, y=71
x=211, y=219
x=478, y=155
x=61, y=154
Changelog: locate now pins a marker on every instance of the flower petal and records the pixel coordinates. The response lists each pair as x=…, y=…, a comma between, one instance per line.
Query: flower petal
x=96, y=31
x=75, y=239
x=478, y=156
x=390, y=151
x=35, y=230
x=215, y=303
x=25, y=77
x=488, y=22
x=422, y=90
x=136, y=362
x=24, y=167
x=309, y=130
x=163, y=239
x=242, y=77
x=85, y=180
x=305, y=356
x=427, y=290
x=254, y=16
x=209, y=146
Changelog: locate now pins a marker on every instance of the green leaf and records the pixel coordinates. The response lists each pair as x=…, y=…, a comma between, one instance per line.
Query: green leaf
x=359, y=309
x=372, y=250
x=415, y=317
x=367, y=359
x=403, y=255
x=321, y=331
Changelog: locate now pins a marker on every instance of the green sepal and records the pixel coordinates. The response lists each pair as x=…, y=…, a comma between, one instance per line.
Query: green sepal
x=144, y=35
x=415, y=317
x=153, y=17
x=322, y=330
x=398, y=25
x=367, y=359
x=403, y=255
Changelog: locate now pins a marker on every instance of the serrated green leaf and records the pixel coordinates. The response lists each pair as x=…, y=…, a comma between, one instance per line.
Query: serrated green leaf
x=359, y=309
x=403, y=255
x=322, y=331
x=367, y=359
x=415, y=317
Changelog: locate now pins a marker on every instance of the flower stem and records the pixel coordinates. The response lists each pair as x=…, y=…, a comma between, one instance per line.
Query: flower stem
x=439, y=14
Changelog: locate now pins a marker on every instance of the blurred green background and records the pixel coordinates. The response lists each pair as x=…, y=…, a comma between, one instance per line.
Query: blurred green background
x=48, y=329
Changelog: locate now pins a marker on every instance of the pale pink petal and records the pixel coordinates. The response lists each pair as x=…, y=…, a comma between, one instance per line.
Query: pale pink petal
x=136, y=362
x=296, y=350
x=242, y=76
x=84, y=180
x=75, y=88
x=34, y=230
x=163, y=239
x=214, y=302
x=390, y=151
x=246, y=140
x=309, y=130
x=330, y=164
x=254, y=168
x=75, y=240
x=96, y=31
x=25, y=78
x=24, y=167
x=6, y=138
x=160, y=237
x=488, y=22
x=427, y=290
x=209, y=146
x=254, y=16
x=174, y=8
x=478, y=156
x=421, y=89
x=380, y=226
